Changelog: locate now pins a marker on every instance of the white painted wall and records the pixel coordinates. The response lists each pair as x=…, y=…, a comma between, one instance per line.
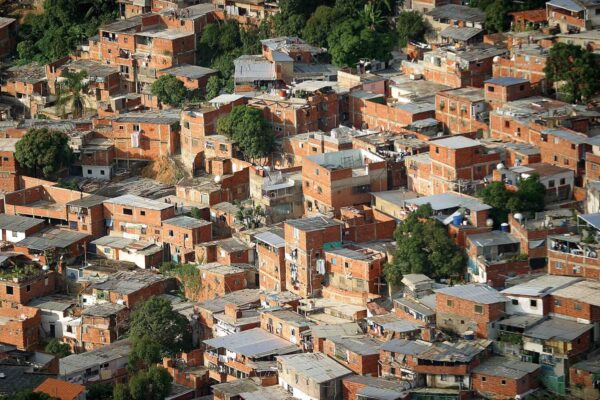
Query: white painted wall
x=96, y=172
x=295, y=392
x=138, y=259
x=13, y=236
x=524, y=306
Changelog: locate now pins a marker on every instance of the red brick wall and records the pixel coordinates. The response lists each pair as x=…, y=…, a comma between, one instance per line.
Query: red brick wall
x=25, y=291
x=466, y=309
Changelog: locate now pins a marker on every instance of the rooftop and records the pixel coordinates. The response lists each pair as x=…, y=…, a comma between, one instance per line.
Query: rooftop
x=478, y=293
x=543, y=286
x=312, y=224
x=506, y=81
x=126, y=282
x=314, y=366
x=363, y=345
x=355, y=158
x=326, y=331
x=557, y=329
x=54, y=303
x=456, y=142
x=505, y=368
x=239, y=298
x=103, y=310
x=393, y=323
x=64, y=390
x=291, y=317
x=17, y=223
x=152, y=117
x=456, y=12
x=457, y=352
x=473, y=95
x=587, y=292
x=492, y=238
x=408, y=347
x=139, y=202
x=80, y=362
x=189, y=71
x=449, y=200
x=53, y=237
x=254, y=343
x=274, y=238
x=184, y=221
x=460, y=33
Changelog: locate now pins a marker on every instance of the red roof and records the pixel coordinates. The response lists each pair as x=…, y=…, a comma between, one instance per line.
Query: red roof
x=530, y=15
x=60, y=389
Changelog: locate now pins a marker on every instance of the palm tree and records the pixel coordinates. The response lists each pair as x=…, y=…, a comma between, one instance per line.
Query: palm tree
x=71, y=92
x=250, y=217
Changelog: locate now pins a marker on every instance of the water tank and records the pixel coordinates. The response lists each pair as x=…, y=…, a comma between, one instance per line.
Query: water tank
x=489, y=222
x=469, y=335
x=504, y=227
x=457, y=220
x=218, y=179
x=518, y=217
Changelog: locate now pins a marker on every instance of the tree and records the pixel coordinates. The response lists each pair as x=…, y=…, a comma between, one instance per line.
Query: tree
x=153, y=384
x=319, y=25
x=196, y=213
x=169, y=90
x=423, y=247
x=411, y=26
x=121, y=392
x=144, y=352
x=213, y=87
x=575, y=69
x=528, y=198
x=496, y=16
x=247, y=127
x=352, y=40
x=251, y=217
x=70, y=93
x=58, y=348
x=62, y=26
x=99, y=391
x=156, y=318
x=45, y=150
x=28, y=395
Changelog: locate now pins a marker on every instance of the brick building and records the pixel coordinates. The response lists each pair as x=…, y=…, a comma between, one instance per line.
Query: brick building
x=217, y=280
x=102, y=324
x=398, y=359
x=526, y=62
x=462, y=110
x=471, y=307
x=137, y=217
x=21, y=285
x=19, y=325
x=9, y=167
x=502, y=90
x=306, y=240
x=286, y=324
x=360, y=354
x=340, y=179
x=142, y=254
x=182, y=233
x=502, y=378
x=270, y=251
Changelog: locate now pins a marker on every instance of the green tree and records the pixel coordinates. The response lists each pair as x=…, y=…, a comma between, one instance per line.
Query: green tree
x=45, y=150
x=411, y=25
x=247, y=127
x=196, y=213
x=70, y=93
x=352, y=40
x=28, y=395
x=213, y=87
x=529, y=197
x=58, y=348
x=145, y=351
x=350, y=8
x=574, y=69
x=319, y=25
x=156, y=318
x=423, y=247
x=99, y=391
x=169, y=90
x=249, y=216
x=161, y=382
x=121, y=392
x=62, y=26
x=496, y=16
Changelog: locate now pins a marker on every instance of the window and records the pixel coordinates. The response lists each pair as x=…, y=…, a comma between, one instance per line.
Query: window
x=557, y=303
x=483, y=379
x=551, y=183
x=577, y=306
x=89, y=171
x=333, y=261
x=533, y=303
x=9, y=290
x=437, y=150
x=186, y=125
x=69, y=329
x=222, y=147
x=317, y=171
x=507, y=124
x=478, y=309
x=449, y=303
x=101, y=172
x=522, y=87
x=515, y=302
x=127, y=211
x=28, y=288
x=503, y=382
x=490, y=88
x=170, y=232
x=143, y=213
x=136, y=127
x=563, y=181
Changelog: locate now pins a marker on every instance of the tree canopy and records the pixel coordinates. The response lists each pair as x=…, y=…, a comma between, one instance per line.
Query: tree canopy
x=58, y=348
x=575, y=69
x=411, y=25
x=156, y=319
x=319, y=25
x=62, y=26
x=247, y=127
x=424, y=247
x=169, y=90
x=152, y=384
x=529, y=197
x=353, y=40
x=45, y=150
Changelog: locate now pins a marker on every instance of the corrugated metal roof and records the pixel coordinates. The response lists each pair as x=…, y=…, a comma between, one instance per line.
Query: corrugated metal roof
x=505, y=368
x=448, y=200
x=460, y=33
x=315, y=366
x=478, y=293
x=255, y=343
x=18, y=223
x=271, y=239
x=506, y=81
x=569, y=5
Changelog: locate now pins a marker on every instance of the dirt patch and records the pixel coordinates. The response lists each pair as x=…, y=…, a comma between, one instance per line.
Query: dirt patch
x=162, y=170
